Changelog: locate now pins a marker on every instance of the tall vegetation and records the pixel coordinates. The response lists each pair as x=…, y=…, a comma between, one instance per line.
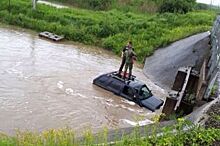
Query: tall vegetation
x=177, y=6
x=172, y=136
x=140, y=6
x=88, y=4
x=108, y=29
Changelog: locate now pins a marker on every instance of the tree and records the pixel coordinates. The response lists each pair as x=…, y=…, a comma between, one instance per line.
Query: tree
x=177, y=6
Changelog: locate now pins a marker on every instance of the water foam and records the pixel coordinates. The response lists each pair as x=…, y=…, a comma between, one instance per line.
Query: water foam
x=138, y=123
x=128, y=102
x=60, y=84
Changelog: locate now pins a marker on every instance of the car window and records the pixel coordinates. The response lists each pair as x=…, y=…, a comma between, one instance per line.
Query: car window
x=128, y=91
x=116, y=85
x=145, y=92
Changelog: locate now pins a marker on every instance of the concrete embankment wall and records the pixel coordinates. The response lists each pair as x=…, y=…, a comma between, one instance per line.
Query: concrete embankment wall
x=163, y=65
x=214, y=60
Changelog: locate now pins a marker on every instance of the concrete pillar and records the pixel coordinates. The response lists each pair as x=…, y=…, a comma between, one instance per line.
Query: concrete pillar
x=34, y=4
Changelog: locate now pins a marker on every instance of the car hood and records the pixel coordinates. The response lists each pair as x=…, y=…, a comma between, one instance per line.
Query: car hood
x=152, y=103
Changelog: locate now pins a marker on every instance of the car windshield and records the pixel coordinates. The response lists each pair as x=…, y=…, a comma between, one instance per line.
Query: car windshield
x=145, y=92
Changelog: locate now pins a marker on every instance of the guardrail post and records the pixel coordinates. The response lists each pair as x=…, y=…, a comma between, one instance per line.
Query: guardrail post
x=34, y=4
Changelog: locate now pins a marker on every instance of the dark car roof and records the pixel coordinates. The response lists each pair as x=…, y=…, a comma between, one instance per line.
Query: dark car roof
x=112, y=82
x=136, y=84
x=112, y=77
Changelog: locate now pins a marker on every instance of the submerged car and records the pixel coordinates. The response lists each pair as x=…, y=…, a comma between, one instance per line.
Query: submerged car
x=131, y=89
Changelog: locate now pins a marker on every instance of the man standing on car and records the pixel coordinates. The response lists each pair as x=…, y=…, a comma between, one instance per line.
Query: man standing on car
x=130, y=56
x=129, y=45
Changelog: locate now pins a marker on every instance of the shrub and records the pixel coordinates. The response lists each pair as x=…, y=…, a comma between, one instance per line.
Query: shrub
x=177, y=6
x=99, y=4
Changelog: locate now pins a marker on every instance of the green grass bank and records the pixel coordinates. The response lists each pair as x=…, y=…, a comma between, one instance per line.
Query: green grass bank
x=136, y=6
x=172, y=136
x=108, y=29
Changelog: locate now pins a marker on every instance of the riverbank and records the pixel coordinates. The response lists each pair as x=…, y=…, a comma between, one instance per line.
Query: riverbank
x=108, y=29
x=171, y=135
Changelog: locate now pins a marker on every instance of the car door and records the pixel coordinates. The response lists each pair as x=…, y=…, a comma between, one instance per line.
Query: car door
x=128, y=93
x=115, y=86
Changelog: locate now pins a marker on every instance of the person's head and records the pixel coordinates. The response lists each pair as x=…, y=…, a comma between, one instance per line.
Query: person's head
x=130, y=44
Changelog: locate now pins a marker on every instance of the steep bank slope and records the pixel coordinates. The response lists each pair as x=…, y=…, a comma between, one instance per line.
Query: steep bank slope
x=163, y=65
x=111, y=29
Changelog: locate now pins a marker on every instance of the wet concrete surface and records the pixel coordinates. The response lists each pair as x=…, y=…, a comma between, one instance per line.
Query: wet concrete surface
x=47, y=85
x=163, y=65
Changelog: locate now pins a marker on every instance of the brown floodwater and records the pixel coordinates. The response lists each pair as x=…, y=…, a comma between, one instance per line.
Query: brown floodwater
x=46, y=85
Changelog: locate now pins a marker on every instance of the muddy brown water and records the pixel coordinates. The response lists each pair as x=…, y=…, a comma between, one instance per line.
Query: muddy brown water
x=47, y=85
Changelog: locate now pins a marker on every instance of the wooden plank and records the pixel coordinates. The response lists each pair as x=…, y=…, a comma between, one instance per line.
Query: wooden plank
x=51, y=36
x=183, y=88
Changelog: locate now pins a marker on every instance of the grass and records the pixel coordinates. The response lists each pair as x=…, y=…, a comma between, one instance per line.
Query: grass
x=214, y=90
x=108, y=29
x=136, y=6
x=66, y=137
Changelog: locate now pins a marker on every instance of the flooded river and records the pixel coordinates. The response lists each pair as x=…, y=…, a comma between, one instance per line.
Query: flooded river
x=47, y=85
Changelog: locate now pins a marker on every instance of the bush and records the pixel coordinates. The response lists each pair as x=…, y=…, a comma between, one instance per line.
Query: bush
x=99, y=4
x=177, y=6
x=140, y=6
